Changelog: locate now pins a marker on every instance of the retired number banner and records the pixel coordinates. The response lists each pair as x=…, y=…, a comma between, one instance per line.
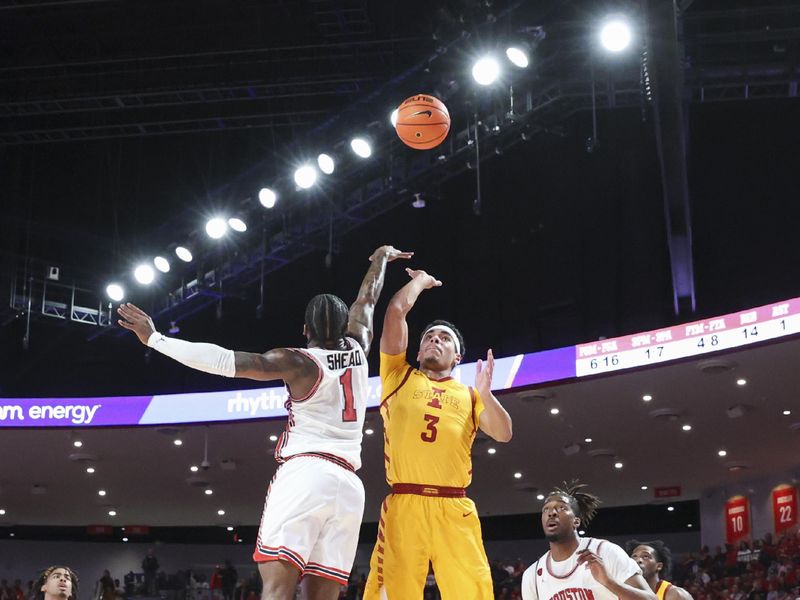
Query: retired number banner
x=737, y=519
x=784, y=507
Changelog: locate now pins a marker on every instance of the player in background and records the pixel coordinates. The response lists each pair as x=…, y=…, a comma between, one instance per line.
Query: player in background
x=655, y=561
x=577, y=568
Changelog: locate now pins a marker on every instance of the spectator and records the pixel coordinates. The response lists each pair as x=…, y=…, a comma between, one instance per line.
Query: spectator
x=105, y=589
x=150, y=567
x=228, y=579
x=216, y=583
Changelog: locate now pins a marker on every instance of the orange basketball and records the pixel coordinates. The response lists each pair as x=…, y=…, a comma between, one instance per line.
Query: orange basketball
x=422, y=122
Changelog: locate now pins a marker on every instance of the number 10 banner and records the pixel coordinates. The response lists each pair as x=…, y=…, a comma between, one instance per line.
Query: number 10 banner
x=737, y=519
x=784, y=507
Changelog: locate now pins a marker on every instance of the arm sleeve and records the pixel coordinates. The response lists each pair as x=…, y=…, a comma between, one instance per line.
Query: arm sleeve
x=620, y=566
x=529, y=591
x=203, y=357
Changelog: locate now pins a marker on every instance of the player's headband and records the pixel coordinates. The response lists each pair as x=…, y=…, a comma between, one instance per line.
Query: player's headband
x=449, y=332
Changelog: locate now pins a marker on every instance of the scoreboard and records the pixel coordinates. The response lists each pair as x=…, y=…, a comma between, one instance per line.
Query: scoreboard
x=689, y=340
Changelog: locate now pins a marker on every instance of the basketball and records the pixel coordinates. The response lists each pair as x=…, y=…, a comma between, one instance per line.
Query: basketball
x=422, y=122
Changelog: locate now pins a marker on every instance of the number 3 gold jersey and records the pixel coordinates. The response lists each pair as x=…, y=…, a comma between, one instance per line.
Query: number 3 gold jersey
x=429, y=425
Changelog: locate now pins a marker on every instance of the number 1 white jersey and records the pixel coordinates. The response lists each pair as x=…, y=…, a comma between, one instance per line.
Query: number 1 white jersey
x=329, y=420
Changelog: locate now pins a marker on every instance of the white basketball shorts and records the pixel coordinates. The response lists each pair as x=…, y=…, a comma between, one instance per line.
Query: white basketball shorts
x=312, y=517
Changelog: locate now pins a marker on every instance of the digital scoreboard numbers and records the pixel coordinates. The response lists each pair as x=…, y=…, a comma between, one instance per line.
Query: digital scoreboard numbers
x=691, y=339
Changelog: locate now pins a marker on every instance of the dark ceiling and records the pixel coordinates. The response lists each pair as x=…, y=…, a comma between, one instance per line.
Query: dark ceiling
x=124, y=125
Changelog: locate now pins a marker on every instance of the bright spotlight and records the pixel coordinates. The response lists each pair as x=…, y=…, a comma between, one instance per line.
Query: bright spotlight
x=486, y=71
x=237, y=225
x=615, y=35
x=267, y=197
x=393, y=117
x=325, y=163
x=518, y=56
x=183, y=254
x=115, y=292
x=144, y=274
x=361, y=147
x=216, y=228
x=305, y=176
x=161, y=263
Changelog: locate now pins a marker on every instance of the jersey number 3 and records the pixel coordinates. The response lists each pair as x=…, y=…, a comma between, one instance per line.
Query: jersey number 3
x=349, y=411
x=430, y=434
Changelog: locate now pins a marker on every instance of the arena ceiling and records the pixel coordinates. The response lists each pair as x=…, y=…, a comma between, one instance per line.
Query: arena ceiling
x=124, y=125
x=147, y=478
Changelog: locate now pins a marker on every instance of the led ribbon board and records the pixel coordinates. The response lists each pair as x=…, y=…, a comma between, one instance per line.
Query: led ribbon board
x=689, y=340
x=640, y=350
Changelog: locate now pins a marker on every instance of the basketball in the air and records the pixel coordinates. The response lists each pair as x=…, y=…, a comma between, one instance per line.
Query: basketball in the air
x=422, y=122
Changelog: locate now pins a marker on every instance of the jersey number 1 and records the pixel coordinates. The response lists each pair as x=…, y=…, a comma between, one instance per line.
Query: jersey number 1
x=349, y=412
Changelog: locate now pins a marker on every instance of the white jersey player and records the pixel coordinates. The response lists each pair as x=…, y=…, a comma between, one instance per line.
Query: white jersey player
x=329, y=419
x=578, y=568
x=312, y=514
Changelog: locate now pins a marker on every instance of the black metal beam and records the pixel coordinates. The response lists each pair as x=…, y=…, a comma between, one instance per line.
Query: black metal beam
x=667, y=80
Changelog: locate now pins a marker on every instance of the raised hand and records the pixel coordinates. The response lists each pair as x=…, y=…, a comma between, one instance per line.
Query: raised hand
x=391, y=253
x=483, y=374
x=428, y=281
x=136, y=320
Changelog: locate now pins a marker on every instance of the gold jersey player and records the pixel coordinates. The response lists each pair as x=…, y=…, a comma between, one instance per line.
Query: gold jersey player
x=655, y=561
x=430, y=421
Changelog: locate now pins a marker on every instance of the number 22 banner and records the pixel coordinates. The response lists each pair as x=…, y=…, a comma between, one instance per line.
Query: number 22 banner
x=784, y=507
x=737, y=519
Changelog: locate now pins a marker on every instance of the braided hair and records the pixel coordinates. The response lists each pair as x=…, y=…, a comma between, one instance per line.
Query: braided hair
x=662, y=554
x=44, y=576
x=583, y=504
x=326, y=318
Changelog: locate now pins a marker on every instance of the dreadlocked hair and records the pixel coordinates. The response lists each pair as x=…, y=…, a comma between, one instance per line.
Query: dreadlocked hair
x=44, y=575
x=583, y=504
x=326, y=319
x=662, y=554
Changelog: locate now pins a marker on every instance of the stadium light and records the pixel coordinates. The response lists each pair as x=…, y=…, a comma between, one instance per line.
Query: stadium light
x=615, y=35
x=519, y=56
x=216, y=228
x=305, y=176
x=361, y=147
x=326, y=164
x=161, y=263
x=144, y=274
x=267, y=197
x=485, y=71
x=237, y=224
x=115, y=291
x=183, y=253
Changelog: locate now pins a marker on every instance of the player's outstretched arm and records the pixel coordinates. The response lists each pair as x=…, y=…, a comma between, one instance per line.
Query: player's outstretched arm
x=494, y=420
x=359, y=325
x=210, y=358
x=394, y=338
